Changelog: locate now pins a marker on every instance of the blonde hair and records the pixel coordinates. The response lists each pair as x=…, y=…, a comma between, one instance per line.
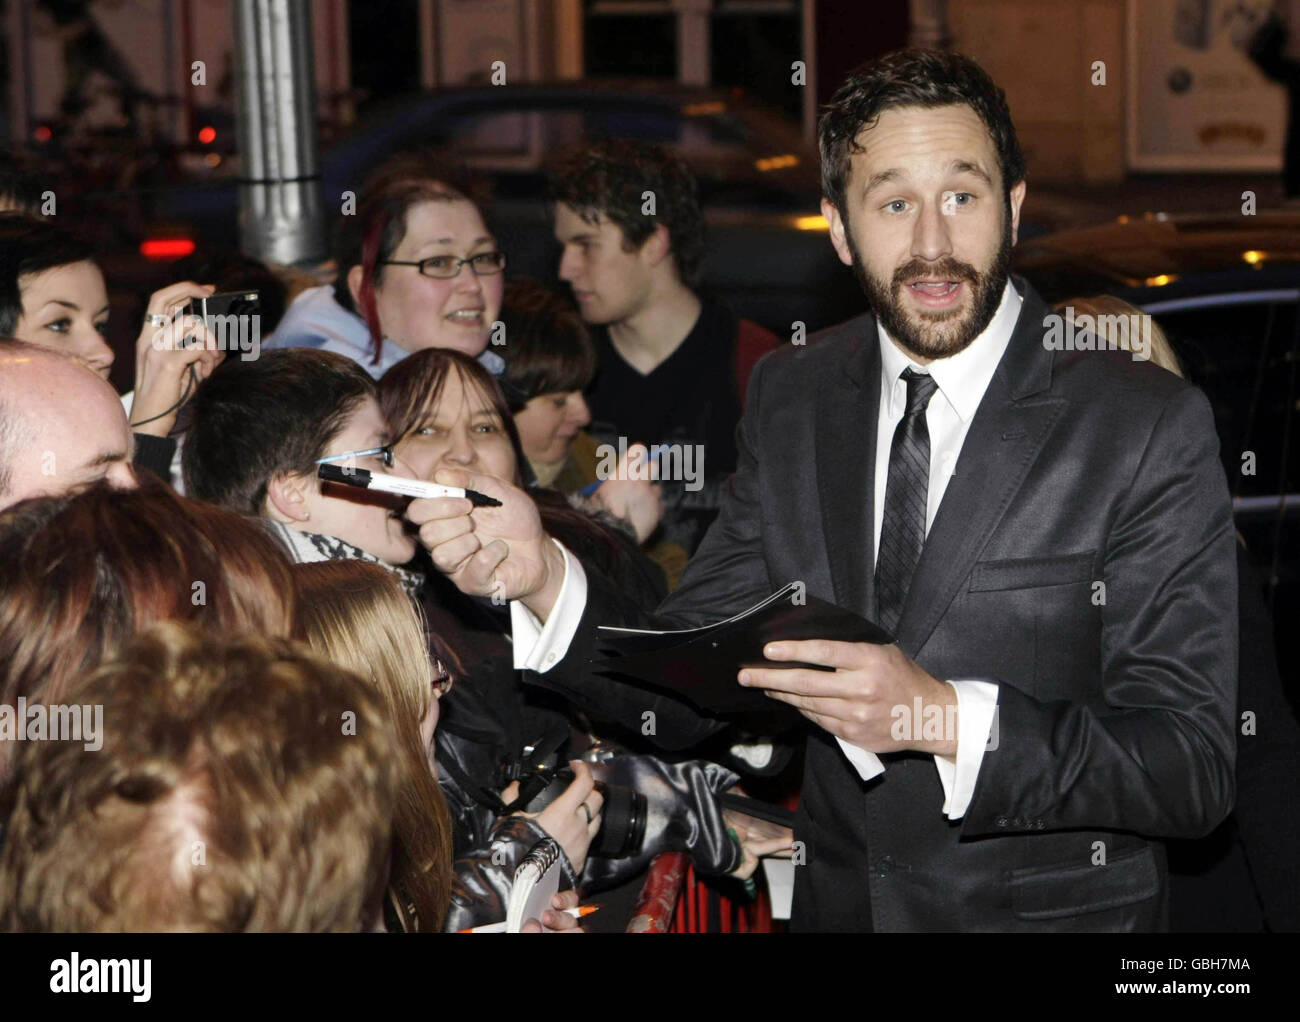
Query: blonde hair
x=356, y=614
x=1103, y=307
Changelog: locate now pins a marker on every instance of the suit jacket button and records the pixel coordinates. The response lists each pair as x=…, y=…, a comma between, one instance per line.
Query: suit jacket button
x=1001, y=821
x=884, y=865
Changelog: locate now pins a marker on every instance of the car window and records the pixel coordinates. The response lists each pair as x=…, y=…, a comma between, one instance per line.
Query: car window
x=1243, y=357
x=485, y=136
x=513, y=147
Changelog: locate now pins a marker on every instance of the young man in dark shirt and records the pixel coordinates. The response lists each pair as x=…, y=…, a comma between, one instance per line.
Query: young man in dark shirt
x=673, y=365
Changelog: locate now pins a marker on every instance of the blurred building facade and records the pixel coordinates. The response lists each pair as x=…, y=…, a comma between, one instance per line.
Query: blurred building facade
x=1078, y=125
x=1042, y=53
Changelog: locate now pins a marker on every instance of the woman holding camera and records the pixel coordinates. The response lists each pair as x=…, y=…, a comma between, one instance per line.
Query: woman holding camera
x=52, y=293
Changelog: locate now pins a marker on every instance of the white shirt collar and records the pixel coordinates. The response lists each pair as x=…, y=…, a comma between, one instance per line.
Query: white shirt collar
x=962, y=378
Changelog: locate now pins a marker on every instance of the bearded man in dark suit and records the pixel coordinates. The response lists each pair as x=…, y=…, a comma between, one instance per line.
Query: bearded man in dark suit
x=1047, y=533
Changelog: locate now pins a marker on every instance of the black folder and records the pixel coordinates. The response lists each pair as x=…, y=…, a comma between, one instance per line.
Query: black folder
x=701, y=664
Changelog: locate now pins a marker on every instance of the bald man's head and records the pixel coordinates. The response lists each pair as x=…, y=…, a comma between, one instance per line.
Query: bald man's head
x=61, y=426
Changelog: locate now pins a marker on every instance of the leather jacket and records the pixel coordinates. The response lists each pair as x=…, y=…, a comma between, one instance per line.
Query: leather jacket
x=483, y=874
x=489, y=721
x=682, y=815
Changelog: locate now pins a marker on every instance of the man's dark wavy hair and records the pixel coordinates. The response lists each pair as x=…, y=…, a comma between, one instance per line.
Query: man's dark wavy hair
x=609, y=178
x=924, y=78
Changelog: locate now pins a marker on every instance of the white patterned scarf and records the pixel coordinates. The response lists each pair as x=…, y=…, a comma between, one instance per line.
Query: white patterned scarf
x=310, y=547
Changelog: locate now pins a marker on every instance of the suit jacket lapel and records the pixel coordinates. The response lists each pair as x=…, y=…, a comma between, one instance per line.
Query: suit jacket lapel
x=1013, y=421
x=848, y=406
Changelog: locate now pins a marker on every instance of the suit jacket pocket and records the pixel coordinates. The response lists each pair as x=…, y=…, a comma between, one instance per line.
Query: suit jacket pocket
x=1056, y=892
x=1032, y=572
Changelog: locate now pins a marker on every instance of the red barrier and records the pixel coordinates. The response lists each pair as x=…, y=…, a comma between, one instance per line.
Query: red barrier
x=674, y=900
x=660, y=894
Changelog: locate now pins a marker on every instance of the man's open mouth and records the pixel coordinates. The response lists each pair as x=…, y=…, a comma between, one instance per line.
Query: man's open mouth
x=935, y=288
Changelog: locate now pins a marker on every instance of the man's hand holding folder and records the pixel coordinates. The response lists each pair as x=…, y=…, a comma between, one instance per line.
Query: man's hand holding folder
x=856, y=691
x=839, y=670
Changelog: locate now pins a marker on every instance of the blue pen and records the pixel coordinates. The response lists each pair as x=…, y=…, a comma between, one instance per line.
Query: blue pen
x=655, y=454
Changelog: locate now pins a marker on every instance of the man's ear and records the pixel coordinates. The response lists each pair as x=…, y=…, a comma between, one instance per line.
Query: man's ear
x=658, y=247
x=354, y=286
x=1017, y=197
x=838, y=238
x=288, y=498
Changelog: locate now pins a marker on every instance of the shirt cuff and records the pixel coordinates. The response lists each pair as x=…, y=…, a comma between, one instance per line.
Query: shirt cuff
x=977, y=706
x=867, y=764
x=539, y=647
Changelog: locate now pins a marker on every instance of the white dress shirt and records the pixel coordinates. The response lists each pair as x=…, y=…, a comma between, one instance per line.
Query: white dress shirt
x=962, y=380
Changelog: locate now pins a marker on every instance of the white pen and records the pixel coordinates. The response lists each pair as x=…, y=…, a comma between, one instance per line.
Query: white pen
x=400, y=485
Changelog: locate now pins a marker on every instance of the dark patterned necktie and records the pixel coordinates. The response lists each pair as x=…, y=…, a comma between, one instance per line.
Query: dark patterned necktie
x=902, y=528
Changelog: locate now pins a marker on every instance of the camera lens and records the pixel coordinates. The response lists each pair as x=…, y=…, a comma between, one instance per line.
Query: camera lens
x=623, y=823
x=623, y=816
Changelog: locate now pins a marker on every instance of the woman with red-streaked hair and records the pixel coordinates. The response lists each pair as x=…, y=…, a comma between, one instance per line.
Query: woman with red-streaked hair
x=80, y=574
x=417, y=268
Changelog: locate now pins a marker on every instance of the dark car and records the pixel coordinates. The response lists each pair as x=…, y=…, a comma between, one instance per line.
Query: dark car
x=1225, y=291
x=769, y=257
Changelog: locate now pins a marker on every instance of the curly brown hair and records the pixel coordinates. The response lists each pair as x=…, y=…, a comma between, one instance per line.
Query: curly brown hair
x=610, y=179
x=924, y=78
x=242, y=785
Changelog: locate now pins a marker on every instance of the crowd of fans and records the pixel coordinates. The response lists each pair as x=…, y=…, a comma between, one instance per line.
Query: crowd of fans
x=305, y=725
x=286, y=718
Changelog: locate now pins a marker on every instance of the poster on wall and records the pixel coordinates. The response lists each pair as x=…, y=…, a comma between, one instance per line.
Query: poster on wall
x=1196, y=102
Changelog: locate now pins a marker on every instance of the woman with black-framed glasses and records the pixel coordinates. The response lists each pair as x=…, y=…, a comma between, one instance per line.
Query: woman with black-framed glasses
x=418, y=268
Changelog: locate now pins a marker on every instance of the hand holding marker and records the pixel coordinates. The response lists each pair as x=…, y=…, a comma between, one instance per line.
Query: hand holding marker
x=400, y=485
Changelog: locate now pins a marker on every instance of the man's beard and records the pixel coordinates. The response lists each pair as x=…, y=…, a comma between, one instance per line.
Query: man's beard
x=945, y=333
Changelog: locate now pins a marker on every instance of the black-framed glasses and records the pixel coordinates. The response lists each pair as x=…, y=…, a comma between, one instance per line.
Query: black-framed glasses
x=385, y=452
x=445, y=267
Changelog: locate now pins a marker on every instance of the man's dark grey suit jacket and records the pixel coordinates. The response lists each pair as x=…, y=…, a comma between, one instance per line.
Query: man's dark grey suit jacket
x=1116, y=704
